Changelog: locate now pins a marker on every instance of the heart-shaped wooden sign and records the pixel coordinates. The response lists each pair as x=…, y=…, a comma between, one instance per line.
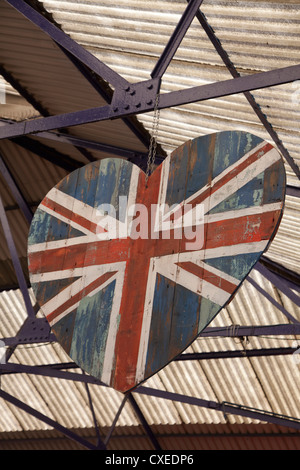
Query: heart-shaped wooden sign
x=129, y=272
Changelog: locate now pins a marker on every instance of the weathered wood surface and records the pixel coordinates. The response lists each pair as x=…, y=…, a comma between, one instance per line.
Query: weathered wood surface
x=123, y=295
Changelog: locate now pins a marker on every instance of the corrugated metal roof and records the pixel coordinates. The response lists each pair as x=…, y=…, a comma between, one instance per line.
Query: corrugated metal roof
x=129, y=37
x=269, y=383
x=258, y=36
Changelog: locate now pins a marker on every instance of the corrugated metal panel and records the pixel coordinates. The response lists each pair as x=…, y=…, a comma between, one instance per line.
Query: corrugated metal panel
x=12, y=105
x=129, y=37
x=258, y=36
x=34, y=175
x=23, y=56
x=252, y=382
x=62, y=400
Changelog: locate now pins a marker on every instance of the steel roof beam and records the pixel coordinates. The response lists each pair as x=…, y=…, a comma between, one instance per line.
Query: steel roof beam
x=130, y=155
x=100, y=445
x=238, y=331
x=65, y=161
x=144, y=423
x=262, y=352
x=293, y=191
x=37, y=414
x=291, y=277
x=60, y=371
x=47, y=153
x=230, y=87
x=111, y=430
x=38, y=331
x=50, y=370
x=15, y=259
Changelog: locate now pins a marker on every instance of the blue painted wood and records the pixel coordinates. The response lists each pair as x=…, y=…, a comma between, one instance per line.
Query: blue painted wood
x=123, y=306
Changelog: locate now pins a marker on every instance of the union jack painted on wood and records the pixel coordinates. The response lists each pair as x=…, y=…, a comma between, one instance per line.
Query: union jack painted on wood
x=128, y=291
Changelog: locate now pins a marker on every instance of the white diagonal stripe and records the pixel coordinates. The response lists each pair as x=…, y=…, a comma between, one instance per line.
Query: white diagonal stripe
x=87, y=275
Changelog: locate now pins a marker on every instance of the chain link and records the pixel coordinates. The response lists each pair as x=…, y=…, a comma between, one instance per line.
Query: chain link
x=153, y=139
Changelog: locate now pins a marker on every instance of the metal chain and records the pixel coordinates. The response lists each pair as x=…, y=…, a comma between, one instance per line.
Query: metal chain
x=153, y=139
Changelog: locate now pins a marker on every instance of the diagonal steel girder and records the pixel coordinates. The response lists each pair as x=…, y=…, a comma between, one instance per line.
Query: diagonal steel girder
x=15, y=259
x=123, y=105
x=15, y=190
x=42, y=417
x=176, y=38
x=225, y=407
